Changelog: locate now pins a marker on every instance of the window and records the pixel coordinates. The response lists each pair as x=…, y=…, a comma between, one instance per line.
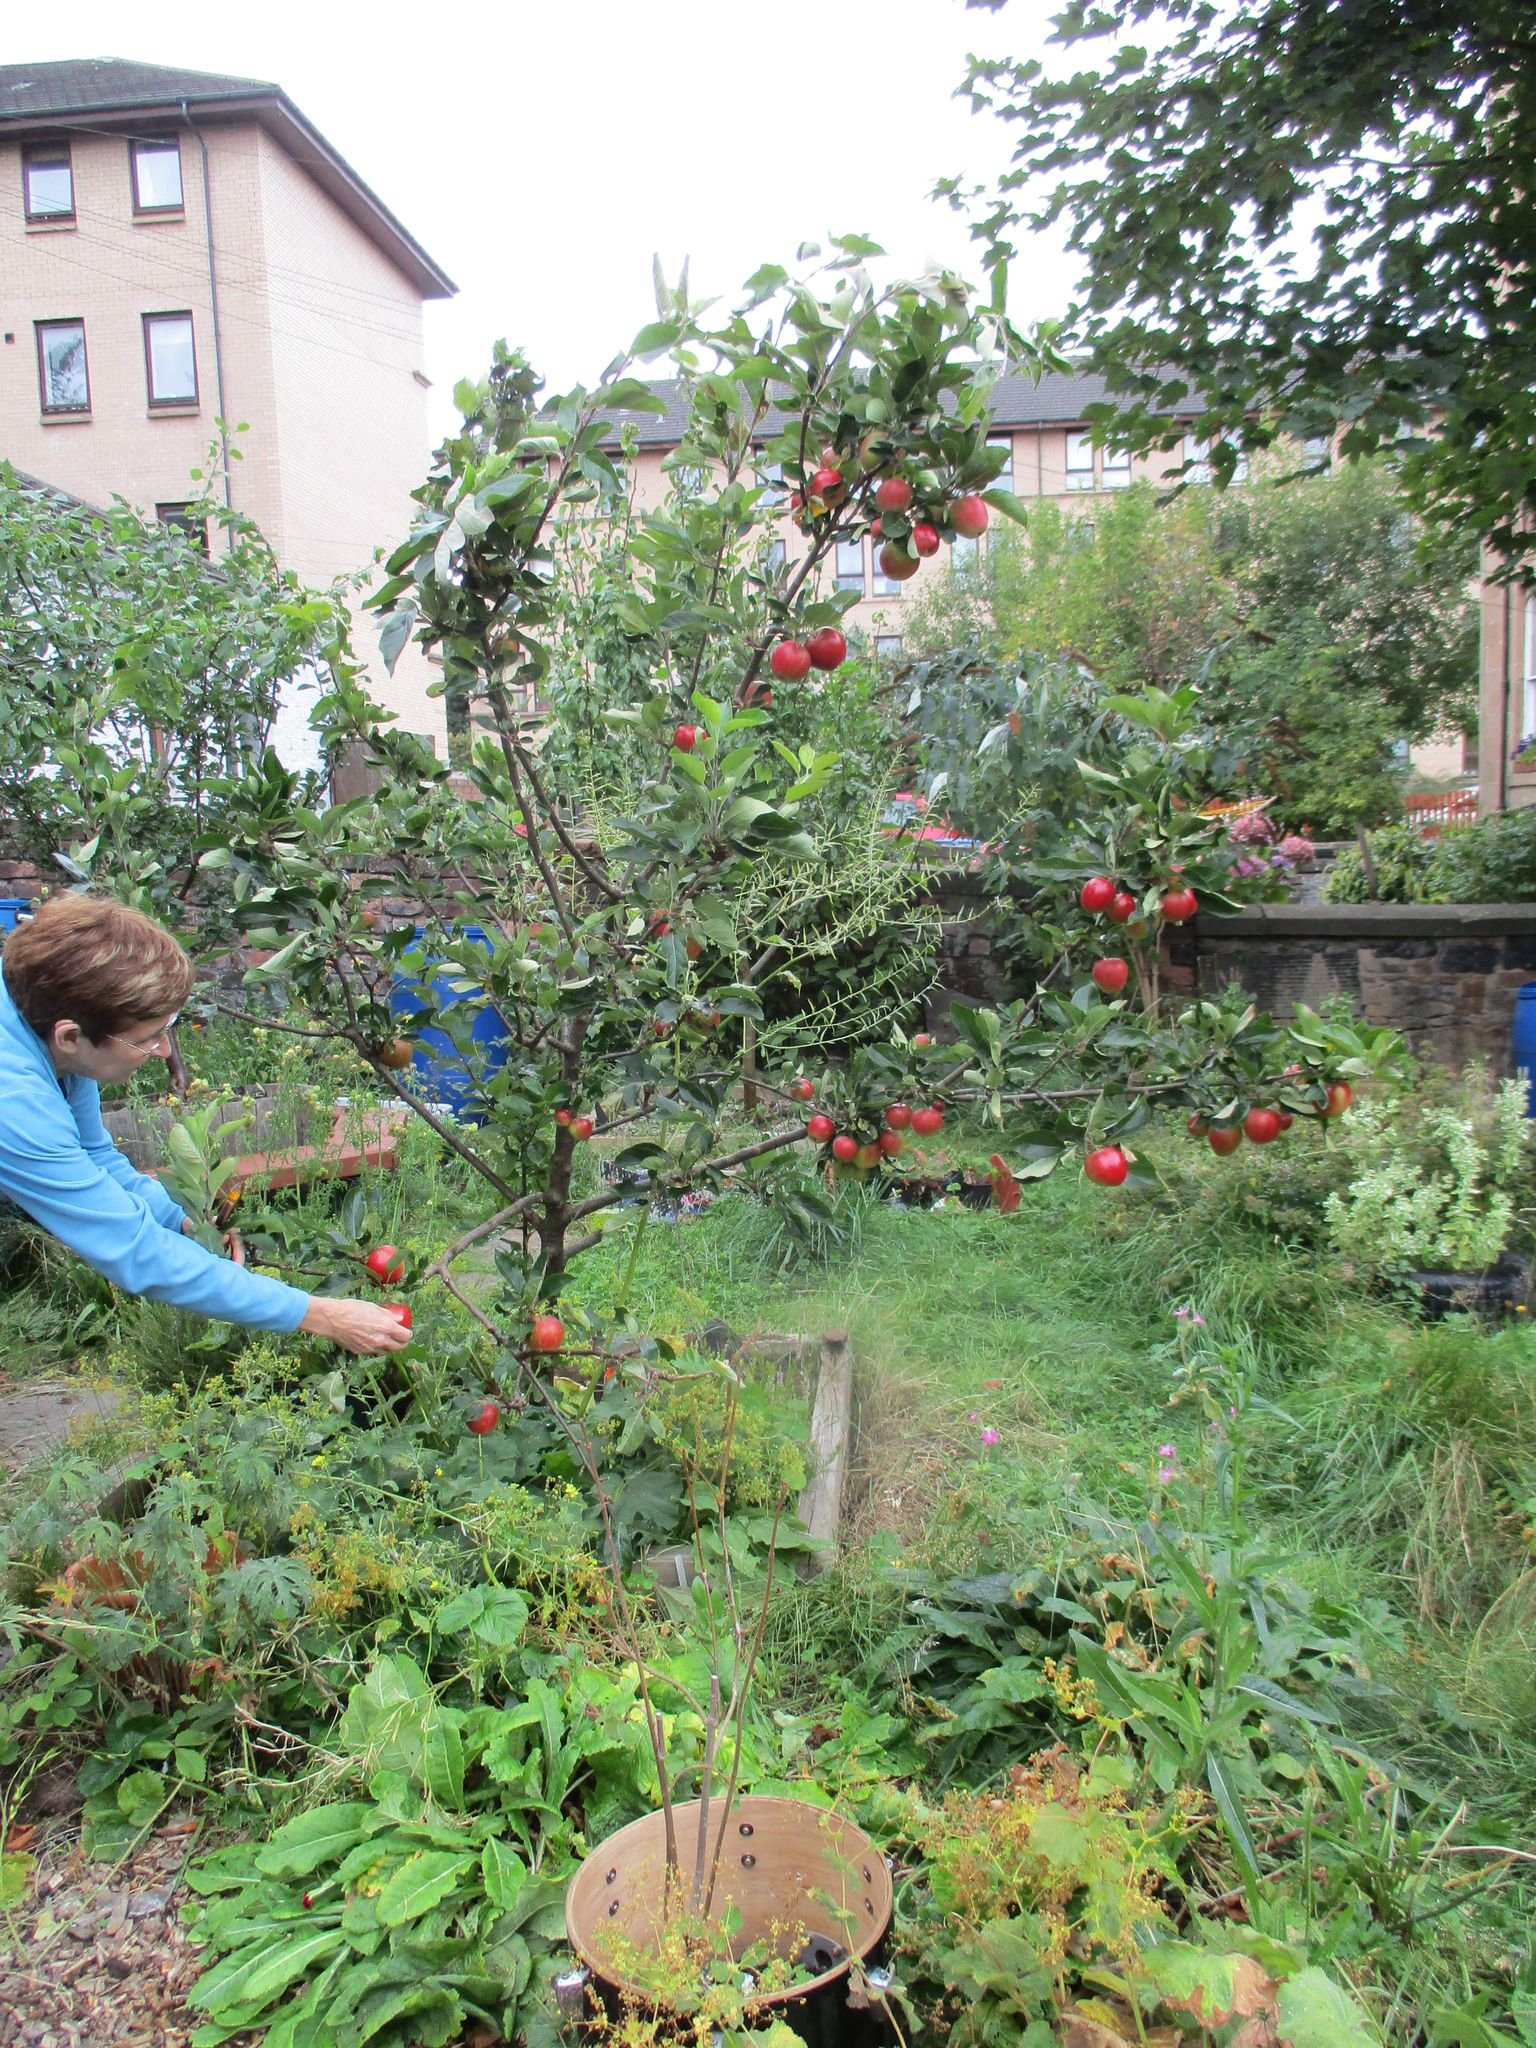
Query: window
x=965, y=558
x=62, y=373
x=850, y=565
x=181, y=516
x=170, y=359
x=1530, y=667
x=1198, y=454
x=770, y=477
x=1004, y=477
x=1079, y=462
x=48, y=182
x=1115, y=468
x=156, y=176
x=1317, y=447
x=773, y=560
x=888, y=646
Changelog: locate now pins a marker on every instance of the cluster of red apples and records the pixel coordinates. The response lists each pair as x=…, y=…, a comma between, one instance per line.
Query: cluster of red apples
x=851, y=1148
x=386, y=1264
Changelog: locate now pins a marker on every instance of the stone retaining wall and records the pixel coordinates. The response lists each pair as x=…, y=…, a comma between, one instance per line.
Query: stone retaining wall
x=1445, y=975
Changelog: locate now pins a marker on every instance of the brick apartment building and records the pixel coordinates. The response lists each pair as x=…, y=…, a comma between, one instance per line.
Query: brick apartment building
x=178, y=248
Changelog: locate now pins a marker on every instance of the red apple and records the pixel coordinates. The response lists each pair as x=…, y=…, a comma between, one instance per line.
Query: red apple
x=582, y=1127
x=894, y=494
x=386, y=1264
x=1197, y=1126
x=890, y=1143
x=485, y=1419
x=790, y=661
x=1286, y=1119
x=898, y=1116
x=968, y=516
x=547, y=1334
x=820, y=1128
x=1110, y=975
x=801, y=1089
x=401, y=1312
x=685, y=738
x=1262, y=1126
x=1121, y=906
x=1097, y=894
x=928, y=1122
x=1108, y=1166
x=1340, y=1096
x=866, y=1156
x=564, y=1116
x=693, y=948
x=923, y=1040
x=828, y=484
x=845, y=1148
x=896, y=563
x=925, y=539
x=827, y=648
x=1225, y=1139
x=1179, y=905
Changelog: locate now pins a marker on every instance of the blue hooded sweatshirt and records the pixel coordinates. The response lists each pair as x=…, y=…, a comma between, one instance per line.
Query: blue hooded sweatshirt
x=58, y=1164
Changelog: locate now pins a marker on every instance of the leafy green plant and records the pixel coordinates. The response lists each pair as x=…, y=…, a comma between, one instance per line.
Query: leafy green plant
x=1402, y=861
x=431, y=1898
x=1440, y=1181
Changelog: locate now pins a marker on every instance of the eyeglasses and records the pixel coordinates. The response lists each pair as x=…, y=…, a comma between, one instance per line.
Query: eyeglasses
x=161, y=1042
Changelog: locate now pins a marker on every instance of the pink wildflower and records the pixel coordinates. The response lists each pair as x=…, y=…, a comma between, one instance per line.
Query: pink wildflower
x=991, y=1436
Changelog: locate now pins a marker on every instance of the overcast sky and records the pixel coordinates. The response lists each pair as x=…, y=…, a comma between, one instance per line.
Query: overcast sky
x=541, y=150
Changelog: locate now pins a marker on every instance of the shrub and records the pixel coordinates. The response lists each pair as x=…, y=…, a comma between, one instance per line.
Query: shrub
x=1493, y=861
x=1439, y=1182
x=1403, y=862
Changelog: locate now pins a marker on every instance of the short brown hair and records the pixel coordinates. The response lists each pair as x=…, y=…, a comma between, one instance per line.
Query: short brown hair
x=96, y=962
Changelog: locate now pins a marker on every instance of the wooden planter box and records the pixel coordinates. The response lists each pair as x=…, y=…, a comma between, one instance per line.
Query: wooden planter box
x=323, y=1146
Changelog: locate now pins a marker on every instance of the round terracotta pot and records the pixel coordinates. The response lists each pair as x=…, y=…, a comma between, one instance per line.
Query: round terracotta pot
x=783, y=1863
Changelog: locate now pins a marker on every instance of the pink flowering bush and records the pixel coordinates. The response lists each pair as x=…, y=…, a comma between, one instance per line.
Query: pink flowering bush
x=1253, y=829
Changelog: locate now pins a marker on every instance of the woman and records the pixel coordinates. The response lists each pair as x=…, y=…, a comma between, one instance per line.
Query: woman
x=88, y=992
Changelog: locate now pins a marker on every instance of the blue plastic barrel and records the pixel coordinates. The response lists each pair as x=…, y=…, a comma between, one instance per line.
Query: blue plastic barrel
x=1522, y=1041
x=442, y=1072
x=13, y=909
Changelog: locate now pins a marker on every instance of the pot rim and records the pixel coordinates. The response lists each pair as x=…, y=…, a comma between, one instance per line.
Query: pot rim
x=747, y=1804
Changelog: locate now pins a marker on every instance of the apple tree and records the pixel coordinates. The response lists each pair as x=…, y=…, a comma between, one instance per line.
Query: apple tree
x=627, y=947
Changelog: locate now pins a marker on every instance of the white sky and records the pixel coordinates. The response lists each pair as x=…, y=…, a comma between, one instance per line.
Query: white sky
x=541, y=150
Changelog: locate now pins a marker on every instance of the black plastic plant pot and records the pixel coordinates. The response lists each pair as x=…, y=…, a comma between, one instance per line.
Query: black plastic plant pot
x=1498, y=1291
x=793, y=1878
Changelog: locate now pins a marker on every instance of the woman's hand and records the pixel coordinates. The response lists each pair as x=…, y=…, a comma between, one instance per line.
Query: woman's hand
x=360, y=1326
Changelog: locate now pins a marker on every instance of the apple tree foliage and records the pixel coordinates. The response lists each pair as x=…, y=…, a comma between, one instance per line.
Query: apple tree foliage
x=1306, y=217
x=136, y=676
x=628, y=950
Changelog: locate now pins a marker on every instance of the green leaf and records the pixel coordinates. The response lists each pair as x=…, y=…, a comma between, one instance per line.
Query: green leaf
x=1315, y=2012
x=253, y=1976
x=420, y=1883
x=1235, y=1821
x=322, y=1835
x=504, y=1873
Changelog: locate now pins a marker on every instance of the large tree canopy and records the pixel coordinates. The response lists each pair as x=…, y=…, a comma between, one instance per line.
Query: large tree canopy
x=1310, y=215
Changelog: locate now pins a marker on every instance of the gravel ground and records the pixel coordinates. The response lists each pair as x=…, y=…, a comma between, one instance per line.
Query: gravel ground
x=94, y=1955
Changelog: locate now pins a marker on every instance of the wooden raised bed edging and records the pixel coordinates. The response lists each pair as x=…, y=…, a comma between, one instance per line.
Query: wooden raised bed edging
x=821, y=1503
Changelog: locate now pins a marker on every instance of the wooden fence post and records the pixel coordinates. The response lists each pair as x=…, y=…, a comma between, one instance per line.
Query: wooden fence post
x=821, y=1504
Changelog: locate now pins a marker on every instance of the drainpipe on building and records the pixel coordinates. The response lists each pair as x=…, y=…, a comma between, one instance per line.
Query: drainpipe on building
x=1504, y=749
x=213, y=305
